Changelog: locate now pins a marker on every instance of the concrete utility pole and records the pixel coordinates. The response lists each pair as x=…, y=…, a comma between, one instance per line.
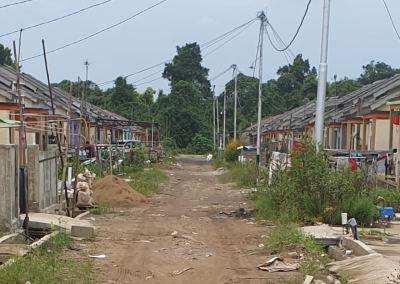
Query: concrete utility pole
x=224, y=130
x=322, y=77
x=213, y=98
x=235, y=112
x=218, y=133
x=263, y=20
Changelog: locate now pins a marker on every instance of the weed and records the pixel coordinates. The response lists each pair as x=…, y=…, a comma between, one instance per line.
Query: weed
x=283, y=237
x=148, y=181
x=52, y=263
x=2, y=234
x=371, y=233
x=102, y=208
x=310, y=267
x=290, y=280
x=245, y=175
x=169, y=161
x=343, y=280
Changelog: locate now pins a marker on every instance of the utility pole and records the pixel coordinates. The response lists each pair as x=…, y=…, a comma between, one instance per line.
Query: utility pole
x=234, y=116
x=213, y=100
x=322, y=77
x=86, y=81
x=217, y=113
x=263, y=20
x=152, y=133
x=224, y=130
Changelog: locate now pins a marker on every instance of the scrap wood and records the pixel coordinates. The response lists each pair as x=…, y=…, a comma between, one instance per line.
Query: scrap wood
x=308, y=279
x=176, y=273
x=277, y=264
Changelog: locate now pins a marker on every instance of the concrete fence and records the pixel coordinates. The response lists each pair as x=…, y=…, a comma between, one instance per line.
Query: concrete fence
x=9, y=189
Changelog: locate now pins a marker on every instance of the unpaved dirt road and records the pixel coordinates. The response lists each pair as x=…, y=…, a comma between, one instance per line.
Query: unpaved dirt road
x=219, y=249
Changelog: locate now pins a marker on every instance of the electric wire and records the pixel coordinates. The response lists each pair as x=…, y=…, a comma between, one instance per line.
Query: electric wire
x=96, y=33
x=280, y=44
x=229, y=40
x=56, y=19
x=391, y=19
x=220, y=74
x=12, y=4
x=204, y=45
x=297, y=32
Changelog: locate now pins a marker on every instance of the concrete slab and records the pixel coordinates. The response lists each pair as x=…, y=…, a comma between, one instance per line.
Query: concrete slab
x=390, y=251
x=43, y=221
x=372, y=268
x=15, y=249
x=324, y=232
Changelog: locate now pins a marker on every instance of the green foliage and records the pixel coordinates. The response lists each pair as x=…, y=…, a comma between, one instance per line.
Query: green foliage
x=243, y=174
x=375, y=71
x=5, y=56
x=50, y=264
x=148, y=181
x=200, y=144
x=231, y=151
x=102, y=208
x=309, y=189
x=134, y=161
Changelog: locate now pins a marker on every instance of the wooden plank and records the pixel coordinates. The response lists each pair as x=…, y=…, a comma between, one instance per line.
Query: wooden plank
x=390, y=129
x=348, y=136
x=364, y=135
x=308, y=279
x=373, y=128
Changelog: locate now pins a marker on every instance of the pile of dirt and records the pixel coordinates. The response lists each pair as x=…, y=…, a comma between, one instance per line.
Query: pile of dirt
x=117, y=192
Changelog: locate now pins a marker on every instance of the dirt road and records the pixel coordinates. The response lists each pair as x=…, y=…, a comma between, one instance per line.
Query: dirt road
x=219, y=249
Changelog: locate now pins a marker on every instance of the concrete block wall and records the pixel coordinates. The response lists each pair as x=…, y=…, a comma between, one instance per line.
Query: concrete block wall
x=252, y=155
x=42, y=180
x=9, y=189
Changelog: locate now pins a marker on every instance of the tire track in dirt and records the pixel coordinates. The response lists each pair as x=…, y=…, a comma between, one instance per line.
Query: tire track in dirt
x=220, y=249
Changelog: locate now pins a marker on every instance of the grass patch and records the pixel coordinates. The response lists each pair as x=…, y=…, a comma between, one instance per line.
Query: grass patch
x=169, y=161
x=2, y=234
x=148, y=181
x=290, y=280
x=371, y=233
x=102, y=208
x=245, y=175
x=53, y=263
x=287, y=237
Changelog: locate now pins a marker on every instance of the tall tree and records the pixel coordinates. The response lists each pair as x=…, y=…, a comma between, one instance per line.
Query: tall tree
x=5, y=56
x=376, y=71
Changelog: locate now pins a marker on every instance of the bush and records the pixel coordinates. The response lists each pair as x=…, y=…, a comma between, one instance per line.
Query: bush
x=134, y=161
x=199, y=145
x=243, y=174
x=231, y=152
x=309, y=189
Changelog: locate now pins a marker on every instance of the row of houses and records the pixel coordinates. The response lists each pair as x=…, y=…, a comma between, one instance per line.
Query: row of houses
x=364, y=120
x=94, y=124
x=37, y=185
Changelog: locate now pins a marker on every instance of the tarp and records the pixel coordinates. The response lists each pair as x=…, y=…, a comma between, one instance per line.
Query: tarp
x=8, y=121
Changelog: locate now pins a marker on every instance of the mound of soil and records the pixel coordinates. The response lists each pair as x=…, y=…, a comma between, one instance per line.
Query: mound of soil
x=117, y=192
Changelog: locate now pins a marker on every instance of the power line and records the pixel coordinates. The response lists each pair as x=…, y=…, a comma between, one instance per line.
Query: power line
x=220, y=74
x=229, y=39
x=56, y=19
x=99, y=32
x=204, y=45
x=297, y=32
x=12, y=4
x=391, y=19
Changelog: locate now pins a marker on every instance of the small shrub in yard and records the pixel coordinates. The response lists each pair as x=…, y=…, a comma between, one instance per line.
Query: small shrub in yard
x=102, y=208
x=231, y=152
x=148, y=181
x=243, y=174
x=309, y=189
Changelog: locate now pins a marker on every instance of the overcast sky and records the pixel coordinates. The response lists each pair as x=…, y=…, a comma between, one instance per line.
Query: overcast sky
x=360, y=31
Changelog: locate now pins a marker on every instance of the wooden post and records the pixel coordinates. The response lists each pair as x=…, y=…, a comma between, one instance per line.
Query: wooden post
x=76, y=181
x=342, y=136
x=52, y=106
x=364, y=135
x=373, y=128
x=22, y=142
x=391, y=130
x=327, y=138
x=64, y=172
x=349, y=136
x=332, y=142
x=12, y=130
x=46, y=134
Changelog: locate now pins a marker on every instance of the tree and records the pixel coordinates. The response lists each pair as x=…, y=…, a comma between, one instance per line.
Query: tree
x=376, y=71
x=5, y=56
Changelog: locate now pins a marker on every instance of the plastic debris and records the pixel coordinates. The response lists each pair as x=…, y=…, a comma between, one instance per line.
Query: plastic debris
x=176, y=273
x=98, y=256
x=209, y=254
x=277, y=264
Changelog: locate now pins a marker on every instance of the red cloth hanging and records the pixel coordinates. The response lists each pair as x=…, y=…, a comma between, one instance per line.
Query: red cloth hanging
x=353, y=164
